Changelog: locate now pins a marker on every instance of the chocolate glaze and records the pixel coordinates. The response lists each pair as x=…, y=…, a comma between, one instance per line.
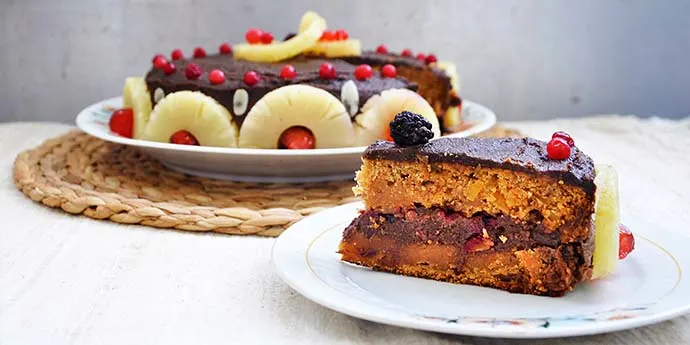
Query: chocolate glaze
x=307, y=73
x=526, y=155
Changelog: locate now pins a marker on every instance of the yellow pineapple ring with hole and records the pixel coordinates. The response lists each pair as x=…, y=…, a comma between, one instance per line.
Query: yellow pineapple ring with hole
x=192, y=111
x=377, y=113
x=297, y=106
x=135, y=95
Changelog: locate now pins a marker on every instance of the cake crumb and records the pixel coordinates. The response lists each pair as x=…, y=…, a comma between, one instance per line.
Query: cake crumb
x=503, y=238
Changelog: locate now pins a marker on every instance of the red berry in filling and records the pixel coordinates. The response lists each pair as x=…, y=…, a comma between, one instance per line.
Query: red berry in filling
x=177, y=54
x=253, y=36
x=327, y=71
x=421, y=57
x=169, y=68
x=431, y=58
x=183, y=137
x=565, y=136
x=266, y=38
x=122, y=122
x=225, y=49
x=382, y=49
x=251, y=78
x=626, y=242
x=199, y=53
x=363, y=72
x=192, y=71
x=296, y=138
x=288, y=72
x=406, y=52
x=389, y=71
x=558, y=149
x=216, y=77
x=159, y=62
x=341, y=35
x=328, y=35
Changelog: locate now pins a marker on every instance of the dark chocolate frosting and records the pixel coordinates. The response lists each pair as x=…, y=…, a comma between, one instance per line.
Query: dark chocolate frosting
x=526, y=154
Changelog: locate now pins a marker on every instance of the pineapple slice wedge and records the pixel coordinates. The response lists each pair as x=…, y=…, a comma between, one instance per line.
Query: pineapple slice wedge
x=297, y=106
x=135, y=95
x=333, y=49
x=377, y=113
x=606, y=220
x=196, y=113
x=312, y=27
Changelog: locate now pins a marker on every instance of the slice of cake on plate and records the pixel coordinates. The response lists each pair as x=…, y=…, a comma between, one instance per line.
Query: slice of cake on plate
x=513, y=214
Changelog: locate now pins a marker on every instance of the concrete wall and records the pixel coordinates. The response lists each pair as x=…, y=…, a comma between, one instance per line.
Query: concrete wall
x=525, y=59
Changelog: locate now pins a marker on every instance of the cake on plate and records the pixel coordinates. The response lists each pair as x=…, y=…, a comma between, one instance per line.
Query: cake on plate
x=316, y=88
x=516, y=214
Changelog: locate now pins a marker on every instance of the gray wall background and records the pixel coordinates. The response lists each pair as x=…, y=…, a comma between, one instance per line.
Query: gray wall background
x=525, y=59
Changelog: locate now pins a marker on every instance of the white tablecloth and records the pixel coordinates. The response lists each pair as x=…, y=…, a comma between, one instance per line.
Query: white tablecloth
x=72, y=280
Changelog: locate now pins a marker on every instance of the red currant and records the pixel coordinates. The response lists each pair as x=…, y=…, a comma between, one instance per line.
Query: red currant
x=159, y=62
x=421, y=57
x=296, y=138
x=389, y=71
x=382, y=49
x=558, y=149
x=251, y=78
x=266, y=37
x=169, y=68
x=253, y=36
x=153, y=60
x=406, y=53
x=341, y=35
x=192, y=71
x=216, y=77
x=327, y=71
x=328, y=35
x=122, y=122
x=225, y=49
x=565, y=136
x=363, y=72
x=183, y=137
x=177, y=54
x=199, y=53
x=626, y=241
x=288, y=72
x=431, y=58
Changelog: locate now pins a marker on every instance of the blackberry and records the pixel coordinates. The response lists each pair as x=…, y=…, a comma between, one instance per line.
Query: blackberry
x=409, y=129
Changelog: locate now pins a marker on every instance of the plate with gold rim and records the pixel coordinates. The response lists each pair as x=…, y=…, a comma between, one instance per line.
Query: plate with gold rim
x=649, y=286
x=257, y=165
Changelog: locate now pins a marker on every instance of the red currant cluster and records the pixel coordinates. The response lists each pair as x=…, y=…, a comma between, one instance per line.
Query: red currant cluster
x=559, y=146
x=258, y=36
x=334, y=35
x=427, y=59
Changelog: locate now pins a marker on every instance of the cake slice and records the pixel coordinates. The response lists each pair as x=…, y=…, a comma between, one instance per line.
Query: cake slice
x=484, y=211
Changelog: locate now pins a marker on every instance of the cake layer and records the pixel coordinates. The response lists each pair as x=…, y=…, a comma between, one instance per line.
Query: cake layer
x=481, y=250
x=480, y=182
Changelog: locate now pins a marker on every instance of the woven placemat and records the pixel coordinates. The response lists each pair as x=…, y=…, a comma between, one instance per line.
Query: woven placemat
x=84, y=175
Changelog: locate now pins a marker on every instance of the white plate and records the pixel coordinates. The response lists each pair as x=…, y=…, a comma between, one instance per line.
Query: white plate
x=256, y=165
x=648, y=287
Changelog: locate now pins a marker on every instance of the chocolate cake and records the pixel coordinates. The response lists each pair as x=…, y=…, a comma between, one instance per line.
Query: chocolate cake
x=491, y=212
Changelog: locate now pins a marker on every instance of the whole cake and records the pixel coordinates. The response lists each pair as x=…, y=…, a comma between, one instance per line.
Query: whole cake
x=314, y=89
x=513, y=214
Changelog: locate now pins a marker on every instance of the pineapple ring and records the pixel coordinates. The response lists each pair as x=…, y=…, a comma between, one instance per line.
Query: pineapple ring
x=377, y=113
x=275, y=52
x=292, y=106
x=337, y=48
x=196, y=113
x=135, y=95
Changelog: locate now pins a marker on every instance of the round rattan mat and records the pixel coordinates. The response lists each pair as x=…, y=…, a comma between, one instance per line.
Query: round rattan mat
x=84, y=175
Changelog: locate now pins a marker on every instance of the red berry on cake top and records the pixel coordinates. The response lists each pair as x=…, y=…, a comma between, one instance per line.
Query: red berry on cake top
x=169, y=68
x=122, y=122
x=177, y=54
x=199, y=53
x=288, y=72
x=406, y=53
x=216, y=77
x=192, y=71
x=382, y=49
x=157, y=56
x=328, y=35
x=251, y=78
x=409, y=129
x=253, y=36
x=327, y=71
x=565, y=136
x=558, y=149
x=225, y=49
x=183, y=137
x=266, y=37
x=431, y=58
x=341, y=35
x=389, y=71
x=159, y=62
x=363, y=72
x=421, y=57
